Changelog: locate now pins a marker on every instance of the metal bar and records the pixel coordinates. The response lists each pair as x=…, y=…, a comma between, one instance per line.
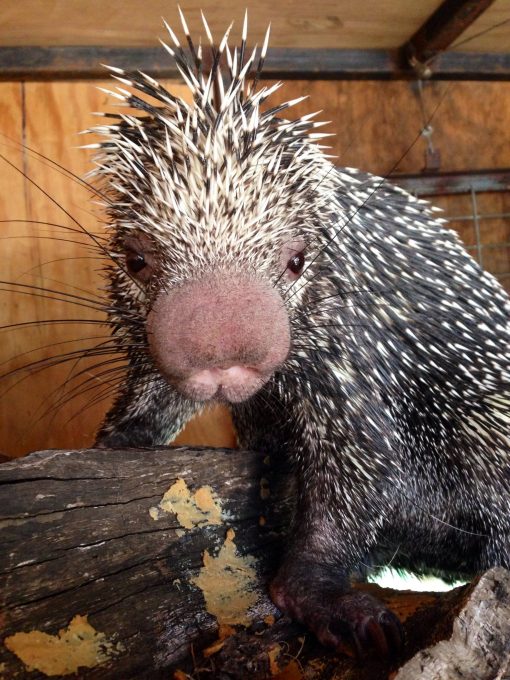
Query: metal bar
x=454, y=182
x=482, y=216
x=487, y=246
x=442, y=28
x=84, y=62
x=476, y=223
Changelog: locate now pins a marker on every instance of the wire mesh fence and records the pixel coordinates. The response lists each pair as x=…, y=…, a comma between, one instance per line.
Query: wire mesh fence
x=477, y=206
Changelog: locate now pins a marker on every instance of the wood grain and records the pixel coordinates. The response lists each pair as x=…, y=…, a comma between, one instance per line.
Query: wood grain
x=15, y=247
x=492, y=28
x=326, y=23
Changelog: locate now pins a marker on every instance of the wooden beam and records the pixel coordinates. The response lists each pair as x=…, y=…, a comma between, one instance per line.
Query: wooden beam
x=441, y=30
x=85, y=62
x=436, y=184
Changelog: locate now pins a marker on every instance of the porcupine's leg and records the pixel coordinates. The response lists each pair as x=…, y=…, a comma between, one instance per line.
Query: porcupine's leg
x=338, y=519
x=312, y=585
x=147, y=412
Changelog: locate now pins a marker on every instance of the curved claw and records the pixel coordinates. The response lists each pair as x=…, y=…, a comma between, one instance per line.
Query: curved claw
x=393, y=630
x=374, y=635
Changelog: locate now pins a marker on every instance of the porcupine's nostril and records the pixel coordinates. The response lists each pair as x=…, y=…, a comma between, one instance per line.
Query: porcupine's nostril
x=231, y=384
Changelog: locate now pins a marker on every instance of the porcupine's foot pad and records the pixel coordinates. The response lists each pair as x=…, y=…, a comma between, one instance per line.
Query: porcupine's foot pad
x=337, y=617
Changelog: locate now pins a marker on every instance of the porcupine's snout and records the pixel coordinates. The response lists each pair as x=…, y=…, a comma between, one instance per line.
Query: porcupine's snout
x=219, y=338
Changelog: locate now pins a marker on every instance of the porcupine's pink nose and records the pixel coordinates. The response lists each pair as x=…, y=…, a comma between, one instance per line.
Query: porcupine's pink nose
x=220, y=337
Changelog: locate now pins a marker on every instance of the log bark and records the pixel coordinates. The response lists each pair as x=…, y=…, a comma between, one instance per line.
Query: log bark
x=154, y=564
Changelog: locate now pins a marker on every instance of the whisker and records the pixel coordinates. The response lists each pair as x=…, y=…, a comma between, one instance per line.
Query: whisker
x=91, y=381
x=59, y=296
x=56, y=406
x=41, y=364
x=57, y=225
x=61, y=207
x=47, y=322
x=53, y=344
x=50, y=162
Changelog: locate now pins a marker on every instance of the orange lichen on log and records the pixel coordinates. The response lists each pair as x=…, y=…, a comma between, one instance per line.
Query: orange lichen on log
x=191, y=509
x=229, y=583
x=77, y=646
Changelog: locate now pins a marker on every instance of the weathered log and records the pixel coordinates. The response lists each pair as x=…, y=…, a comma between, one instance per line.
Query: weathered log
x=154, y=564
x=479, y=646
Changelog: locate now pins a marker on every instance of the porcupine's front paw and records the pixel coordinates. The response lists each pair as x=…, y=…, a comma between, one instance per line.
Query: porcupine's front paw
x=335, y=614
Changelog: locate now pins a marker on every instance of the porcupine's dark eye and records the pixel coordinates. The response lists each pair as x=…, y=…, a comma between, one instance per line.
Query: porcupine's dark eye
x=296, y=263
x=135, y=262
x=139, y=256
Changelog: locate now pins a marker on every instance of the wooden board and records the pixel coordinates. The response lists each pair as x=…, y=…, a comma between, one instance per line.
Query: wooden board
x=489, y=33
x=16, y=245
x=376, y=124
x=326, y=23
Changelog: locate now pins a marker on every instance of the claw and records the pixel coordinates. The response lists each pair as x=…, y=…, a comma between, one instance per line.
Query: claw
x=354, y=639
x=394, y=631
x=374, y=634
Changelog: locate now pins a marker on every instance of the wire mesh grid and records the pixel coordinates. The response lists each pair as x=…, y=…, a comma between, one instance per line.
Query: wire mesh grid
x=478, y=208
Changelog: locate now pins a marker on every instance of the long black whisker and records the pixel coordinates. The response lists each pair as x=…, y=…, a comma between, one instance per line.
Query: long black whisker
x=109, y=390
x=96, y=305
x=54, y=344
x=90, y=382
x=50, y=162
x=48, y=362
x=60, y=296
x=47, y=322
x=29, y=272
x=61, y=207
x=55, y=406
x=57, y=225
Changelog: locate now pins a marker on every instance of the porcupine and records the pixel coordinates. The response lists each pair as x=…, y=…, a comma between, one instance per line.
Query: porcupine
x=344, y=324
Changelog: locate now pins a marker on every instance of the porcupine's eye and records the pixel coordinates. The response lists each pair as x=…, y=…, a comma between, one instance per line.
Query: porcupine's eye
x=139, y=254
x=292, y=258
x=135, y=262
x=296, y=263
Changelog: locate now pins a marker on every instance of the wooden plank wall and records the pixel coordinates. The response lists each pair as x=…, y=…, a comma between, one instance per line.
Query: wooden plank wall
x=377, y=123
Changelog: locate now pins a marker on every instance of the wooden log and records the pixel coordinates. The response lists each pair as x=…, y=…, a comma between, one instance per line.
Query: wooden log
x=479, y=646
x=154, y=564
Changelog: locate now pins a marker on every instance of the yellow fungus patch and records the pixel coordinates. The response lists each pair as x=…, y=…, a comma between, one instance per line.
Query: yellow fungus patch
x=78, y=645
x=154, y=513
x=229, y=583
x=191, y=509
